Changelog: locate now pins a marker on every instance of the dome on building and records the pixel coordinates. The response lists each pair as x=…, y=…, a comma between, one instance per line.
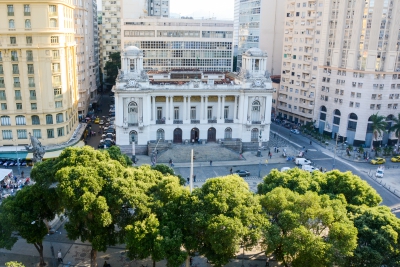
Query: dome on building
x=132, y=50
x=255, y=52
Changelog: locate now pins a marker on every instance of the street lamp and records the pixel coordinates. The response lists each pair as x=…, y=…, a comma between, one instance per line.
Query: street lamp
x=334, y=157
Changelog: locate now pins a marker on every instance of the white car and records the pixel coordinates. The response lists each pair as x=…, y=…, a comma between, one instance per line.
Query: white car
x=379, y=172
x=101, y=122
x=295, y=131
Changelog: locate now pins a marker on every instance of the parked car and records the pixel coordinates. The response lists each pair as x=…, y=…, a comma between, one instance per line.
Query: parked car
x=377, y=161
x=101, y=122
x=295, y=131
x=395, y=159
x=242, y=173
x=379, y=172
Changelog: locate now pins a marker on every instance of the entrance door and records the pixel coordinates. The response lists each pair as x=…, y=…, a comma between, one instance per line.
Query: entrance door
x=212, y=135
x=178, y=135
x=194, y=135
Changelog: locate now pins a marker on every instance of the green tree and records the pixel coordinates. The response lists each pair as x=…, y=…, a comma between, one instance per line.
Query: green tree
x=166, y=170
x=112, y=66
x=396, y=128
x=14, y=264
x=378, y=126
x=224, y=216
x=26, y=212
x=378, y=237
x=116, y=154
x=308, y=229
x=89, y=186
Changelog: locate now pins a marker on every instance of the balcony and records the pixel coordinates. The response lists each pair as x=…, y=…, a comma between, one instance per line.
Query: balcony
x=255, y=122
x=18, y=97
x=31, y=84
x=212, y=121
x=178, y=121
x=10, y=13
x=17, y=84
x=14, y=58
x=194, y=121
x=162, y=121
x=133, y=124
x=32, y=97
x=58, y=96
x=29, y=58
x=3, y=98
x=2, y=85
x=15, y=71
x=27, y=13
x=228, y=121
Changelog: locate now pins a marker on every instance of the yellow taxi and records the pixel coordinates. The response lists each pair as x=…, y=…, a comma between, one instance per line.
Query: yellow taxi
x=97, y=120
x=377, y=161
x=395, y=159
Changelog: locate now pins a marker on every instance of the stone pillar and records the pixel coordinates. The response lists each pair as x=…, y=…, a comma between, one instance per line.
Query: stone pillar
x=154, y=108
x=202, y=108
x=206, y=107
x=171, y=110
x=188, y=110
x=219, y=108
x=184, y=108
x=223, y=108
x=235, y=109
x=241, y=109
x=248, y=115
x=166, y=107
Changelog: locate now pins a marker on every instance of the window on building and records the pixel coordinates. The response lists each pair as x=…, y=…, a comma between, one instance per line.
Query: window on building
x=15, y=69
x=52, y=9
x=58, y=104
x=31, y=69
x=35, y=120
x=192, y=113
x=27, y=10
x=31, y=81
x=11, y=24
x=5, y=121
x=50, y=133
x=60, y=131
x=20, y=120
x=53, y=23
x=254, y=135
x=159, y=113
x=33, y=106
x=176, y=113
x=160, y=134
x=37, y=133
x=56, y=54
x=28, y=24
x=13, y=40
x=226, y=112
x=14, y=55
x=57, y=91
x=59, y=118
x=29, y=55
x=28, y=40
x=3, y=106
x=228, y=133
x=209, y=113
x=49, y=119
x=10, y=10
x=21, y=134
x=54, y=39
x=19, y=106
x=7, y=134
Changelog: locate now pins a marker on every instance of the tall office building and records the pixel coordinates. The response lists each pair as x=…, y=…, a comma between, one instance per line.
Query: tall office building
x=38, y=83
x=182, y=43
x=133, y=9
x=87, y=49
x=259, y=23
x=341, y=64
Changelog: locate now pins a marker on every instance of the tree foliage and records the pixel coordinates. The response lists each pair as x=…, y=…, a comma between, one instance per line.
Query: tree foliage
x=116, y=154
x=307, y=229
x=378, y=237
x=396, y=128
x=112, y=67
x=224, y=216
x=378, y=126
x=334, y=183
x=14, y=264
x=166, y=170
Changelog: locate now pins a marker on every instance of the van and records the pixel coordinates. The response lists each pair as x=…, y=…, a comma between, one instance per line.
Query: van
x=302, y=161
x=309, y=168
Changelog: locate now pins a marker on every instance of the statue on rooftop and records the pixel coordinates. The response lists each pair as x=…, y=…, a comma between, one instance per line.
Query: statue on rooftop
x=37, y=149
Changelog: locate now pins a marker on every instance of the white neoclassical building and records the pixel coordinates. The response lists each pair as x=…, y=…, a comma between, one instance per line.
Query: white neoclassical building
x=189, y=105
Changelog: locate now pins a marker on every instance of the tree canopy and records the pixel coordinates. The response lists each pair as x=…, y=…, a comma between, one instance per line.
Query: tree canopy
x=112, y=66
x=307, y=229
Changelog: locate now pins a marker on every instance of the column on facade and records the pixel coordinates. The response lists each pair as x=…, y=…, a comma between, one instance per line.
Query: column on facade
x=188, y=109
x=223, y=107
x=154, y=109
x=248, y=116
x=147, y=113
x=140, y=109
x=219, y=108
x=263, y=109
x=205, y=107
x=235, y=109
x=202, y=108
x=184, y=108
x=166, y=107
x=241, y=109
x=171, y=110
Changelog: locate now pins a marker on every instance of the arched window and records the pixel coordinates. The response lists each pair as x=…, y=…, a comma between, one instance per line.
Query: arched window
x=49, y=119
x=59, y=118
x=133, y=113
x=133, y=137
x=35, y=120
x=336, y=117
x=27, y=24
x=20, y=120
x=5, y=120
x=11, y=24
x=160, y=135
x=255, y=111
x=228, y=133
x=53, y=23
x=254, y=135
x=352, y=124
x=322, y=113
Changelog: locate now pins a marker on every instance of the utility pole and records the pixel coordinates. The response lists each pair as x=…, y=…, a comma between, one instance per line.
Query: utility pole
x=334, y=157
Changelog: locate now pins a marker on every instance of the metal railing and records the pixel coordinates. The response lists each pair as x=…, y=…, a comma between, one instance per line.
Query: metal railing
x=228, y=121
x=17, y=84
x=162, y=121
x=255, y=122
x=194, y=121
x=178, y=121
x=212, y=121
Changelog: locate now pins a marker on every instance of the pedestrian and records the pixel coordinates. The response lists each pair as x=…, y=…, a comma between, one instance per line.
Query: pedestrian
x=230, y=171
x=267, y=262
x=304, y=147
x=188, y=180
x=310, y=142
x=170, y=162
x=320, y=168
x=210, y=162
x=194, y=177
x=275, y=149
x=270, y=155
x=274, y=135
x=59, y=256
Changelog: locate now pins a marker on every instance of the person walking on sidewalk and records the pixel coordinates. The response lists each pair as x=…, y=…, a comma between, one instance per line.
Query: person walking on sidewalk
x=210, y=162
x=59, y=256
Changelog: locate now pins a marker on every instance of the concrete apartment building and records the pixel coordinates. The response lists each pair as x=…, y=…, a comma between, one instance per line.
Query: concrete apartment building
x=341, y=64
x=180, y=43
x=260, y=23
x=111, y=20
x=38, y=81
x=87, y=52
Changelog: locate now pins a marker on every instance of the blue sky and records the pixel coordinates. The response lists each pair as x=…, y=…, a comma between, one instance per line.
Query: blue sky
x=221, y=9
